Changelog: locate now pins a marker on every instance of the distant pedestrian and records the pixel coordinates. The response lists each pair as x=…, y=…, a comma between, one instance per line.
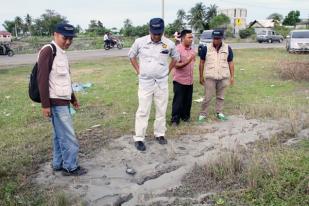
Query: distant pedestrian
x=177, y=38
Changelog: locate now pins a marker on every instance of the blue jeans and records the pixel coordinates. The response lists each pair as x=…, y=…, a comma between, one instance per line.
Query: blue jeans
x=65, y=144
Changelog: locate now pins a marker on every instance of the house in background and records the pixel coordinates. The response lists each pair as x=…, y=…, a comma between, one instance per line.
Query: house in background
x=238, y=18
x=303, y=24
x=262, y=25
x=5, y=36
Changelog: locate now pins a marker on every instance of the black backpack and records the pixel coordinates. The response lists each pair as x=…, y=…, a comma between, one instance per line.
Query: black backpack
x=34, y=92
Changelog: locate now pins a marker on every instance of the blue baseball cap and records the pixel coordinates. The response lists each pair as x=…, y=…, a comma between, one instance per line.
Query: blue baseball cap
x=66, y=30
x=156, y=26
x=218, y=33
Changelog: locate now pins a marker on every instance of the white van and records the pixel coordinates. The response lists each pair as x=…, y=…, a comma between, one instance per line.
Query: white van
x=206, y=37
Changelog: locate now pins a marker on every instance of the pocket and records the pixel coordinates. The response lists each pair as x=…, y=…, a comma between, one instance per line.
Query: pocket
x=163, y=58
x=209, y=66
x=63, y=91
x=62, y=68
x=223, y=57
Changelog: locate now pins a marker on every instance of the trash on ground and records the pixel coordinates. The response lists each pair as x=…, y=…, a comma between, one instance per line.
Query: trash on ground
x=199, y=100
x=81, y=87
x=95, y=126
x=72, y=111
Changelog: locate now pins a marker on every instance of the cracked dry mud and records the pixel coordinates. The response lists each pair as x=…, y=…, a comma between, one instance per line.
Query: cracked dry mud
x=159, y=168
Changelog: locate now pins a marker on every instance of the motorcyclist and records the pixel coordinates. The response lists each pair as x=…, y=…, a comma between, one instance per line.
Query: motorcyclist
x=106, y=39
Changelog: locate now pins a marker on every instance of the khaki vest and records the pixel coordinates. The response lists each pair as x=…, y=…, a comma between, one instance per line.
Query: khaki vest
x=217, y=66
x=60, y=86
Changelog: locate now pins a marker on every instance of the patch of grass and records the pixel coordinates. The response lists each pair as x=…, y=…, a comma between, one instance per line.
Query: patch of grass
x=294, y=70
x=266, y=175
x=25, y=136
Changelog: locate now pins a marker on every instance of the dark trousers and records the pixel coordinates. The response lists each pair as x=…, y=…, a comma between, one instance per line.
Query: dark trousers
x=182, y=102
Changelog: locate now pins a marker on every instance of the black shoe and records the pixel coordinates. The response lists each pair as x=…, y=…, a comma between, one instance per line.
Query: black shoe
x=140, y=145
x=161, y=140
x=186, y=120
x=58, y=169
x=79, y=171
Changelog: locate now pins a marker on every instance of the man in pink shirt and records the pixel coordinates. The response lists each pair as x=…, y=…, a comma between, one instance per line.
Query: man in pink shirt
x=183, y=79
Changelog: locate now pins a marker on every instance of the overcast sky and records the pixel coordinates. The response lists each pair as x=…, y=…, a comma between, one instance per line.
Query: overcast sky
x=113, y=12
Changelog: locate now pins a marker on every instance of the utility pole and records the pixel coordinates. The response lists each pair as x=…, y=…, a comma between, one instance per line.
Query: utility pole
x=162, y=9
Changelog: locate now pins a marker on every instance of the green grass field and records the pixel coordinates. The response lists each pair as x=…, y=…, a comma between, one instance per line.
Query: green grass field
x=25, y=136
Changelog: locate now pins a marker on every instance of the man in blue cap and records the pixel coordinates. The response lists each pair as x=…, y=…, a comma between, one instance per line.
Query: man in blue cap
x=54, y=81
x=219, y=73
x=152, y=69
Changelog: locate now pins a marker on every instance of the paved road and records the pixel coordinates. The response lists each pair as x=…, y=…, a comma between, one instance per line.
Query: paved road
x=74, y=56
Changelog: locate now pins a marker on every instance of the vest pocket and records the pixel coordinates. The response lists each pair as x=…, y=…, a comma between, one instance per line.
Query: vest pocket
x=63, y=91
x=62, y=68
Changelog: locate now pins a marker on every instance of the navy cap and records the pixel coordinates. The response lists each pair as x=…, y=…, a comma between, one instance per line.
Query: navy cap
x=218, y=33
x=66, y=30
x=156, y=26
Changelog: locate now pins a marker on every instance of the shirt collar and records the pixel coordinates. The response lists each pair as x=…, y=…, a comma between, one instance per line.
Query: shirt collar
x=149, y=41
x=186, y=48
x=58, y=48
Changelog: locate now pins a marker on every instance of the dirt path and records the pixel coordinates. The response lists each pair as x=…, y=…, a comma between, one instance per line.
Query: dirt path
x=159, y=168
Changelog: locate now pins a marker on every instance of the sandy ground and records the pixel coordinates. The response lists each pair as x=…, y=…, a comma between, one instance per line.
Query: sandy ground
x=159, y=168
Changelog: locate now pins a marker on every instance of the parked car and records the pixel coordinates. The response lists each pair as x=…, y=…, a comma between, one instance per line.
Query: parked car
x=269, y=36
x=206, y=37
x=298, y=41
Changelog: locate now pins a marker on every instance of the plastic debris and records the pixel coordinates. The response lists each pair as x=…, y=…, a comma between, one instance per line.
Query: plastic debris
x=199, y=100
x=95, y=126
x=81, y=87
x=72, y=111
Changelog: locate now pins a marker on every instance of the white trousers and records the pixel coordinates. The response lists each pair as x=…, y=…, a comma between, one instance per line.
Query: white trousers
x=145, y=96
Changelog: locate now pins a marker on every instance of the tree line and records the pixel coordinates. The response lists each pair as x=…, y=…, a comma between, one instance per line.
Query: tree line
x=200, y=17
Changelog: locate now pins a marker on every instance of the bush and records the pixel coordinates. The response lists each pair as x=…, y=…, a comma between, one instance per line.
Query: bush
x=245, y=33
x=297, y=71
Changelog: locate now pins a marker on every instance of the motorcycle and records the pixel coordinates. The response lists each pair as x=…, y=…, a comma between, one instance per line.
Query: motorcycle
x=6, y=50
x=113, y=43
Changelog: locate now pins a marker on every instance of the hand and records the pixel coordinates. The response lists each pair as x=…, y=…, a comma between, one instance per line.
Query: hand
x=46, y=112
x=191, y=58
x=202, y=81
x=76, y=105
x=137, y=72
x=232, y=81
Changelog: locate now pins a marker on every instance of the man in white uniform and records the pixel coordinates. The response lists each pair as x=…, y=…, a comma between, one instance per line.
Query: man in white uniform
x=153, y=52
